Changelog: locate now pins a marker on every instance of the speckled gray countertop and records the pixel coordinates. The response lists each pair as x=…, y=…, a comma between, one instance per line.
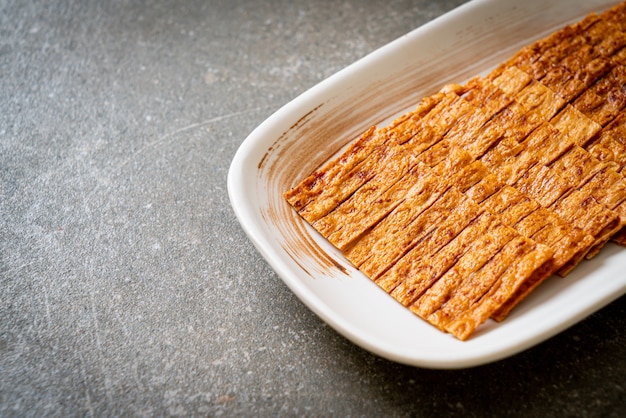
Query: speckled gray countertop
x=128, y=287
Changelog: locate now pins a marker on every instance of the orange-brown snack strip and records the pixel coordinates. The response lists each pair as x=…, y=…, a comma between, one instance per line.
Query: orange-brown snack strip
x=606, y=98
x=609, y=145
x=407, y=227
x=403, y=280
x=481, y=252
x=528, y=269
x=469, y=290
x=324, y=185
x=531, y=54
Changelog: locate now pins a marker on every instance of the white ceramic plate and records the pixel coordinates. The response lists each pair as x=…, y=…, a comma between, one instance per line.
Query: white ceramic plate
x=307, y=131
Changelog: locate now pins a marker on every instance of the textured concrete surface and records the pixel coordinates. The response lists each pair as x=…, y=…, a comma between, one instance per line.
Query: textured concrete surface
x=128, y=287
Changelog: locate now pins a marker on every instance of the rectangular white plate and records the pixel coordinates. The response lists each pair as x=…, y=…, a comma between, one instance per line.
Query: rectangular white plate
x=300, y=136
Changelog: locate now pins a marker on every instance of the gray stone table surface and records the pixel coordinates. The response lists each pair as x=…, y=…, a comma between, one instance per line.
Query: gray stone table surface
x=129, y=288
